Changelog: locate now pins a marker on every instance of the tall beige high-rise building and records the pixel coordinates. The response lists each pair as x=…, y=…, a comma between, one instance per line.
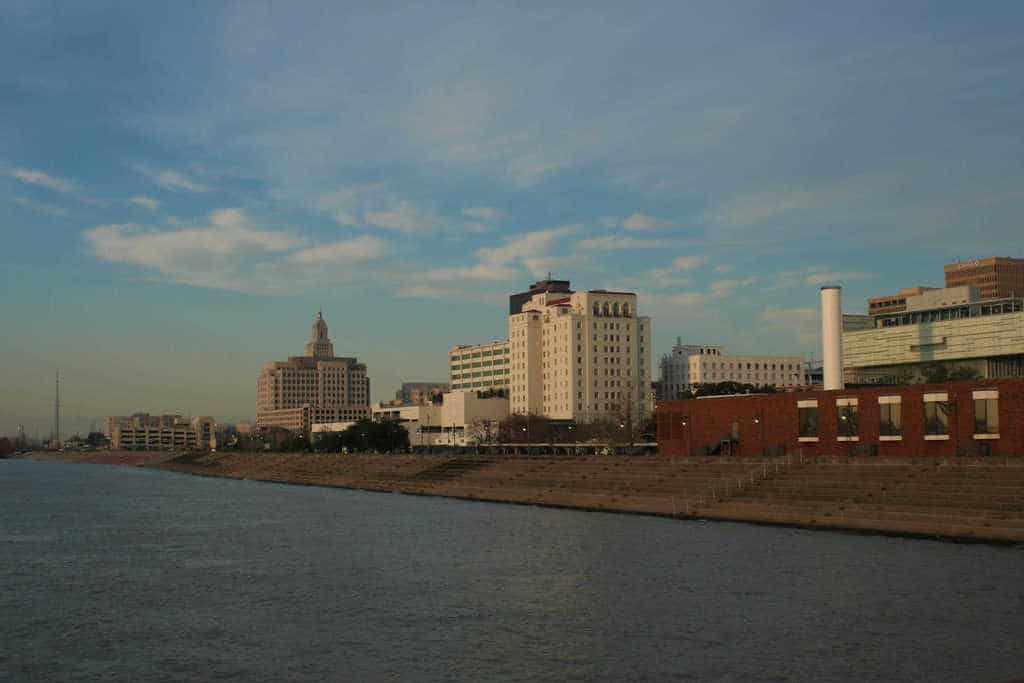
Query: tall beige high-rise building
x=317, y=387
x=580, y=356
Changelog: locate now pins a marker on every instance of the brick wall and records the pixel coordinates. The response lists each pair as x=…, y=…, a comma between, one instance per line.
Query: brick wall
x=770, y=421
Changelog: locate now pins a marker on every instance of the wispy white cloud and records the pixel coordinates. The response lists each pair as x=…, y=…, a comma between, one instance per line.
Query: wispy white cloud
x=482, y=213
x=42, y=179
x=803, y=325
x=494, y=265
x=405, y=217
x=681, y=264
x=720, y=289
x=170, y=179
x=42, y=207
x=642, y=221
x=619, y=243
x=145, y=202
x=358, y=250
x=813, y=276
x=227, y=251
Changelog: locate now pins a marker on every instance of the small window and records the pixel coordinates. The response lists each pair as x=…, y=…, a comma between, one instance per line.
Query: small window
x=986, y=413
x=808, y=414
x=891, y=418
x=846, y=418
x=936, y=415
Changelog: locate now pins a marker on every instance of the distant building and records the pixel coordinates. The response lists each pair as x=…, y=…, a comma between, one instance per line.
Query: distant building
x=582, y=356
x=894, y=303
x=462, y=419
x=979, y=417
x=972, y=338
x=420, y=392
x=516, y=301
x=317, y=387
x=997, y=277
x=479, y=367
x=143, y=431
x=921, y=298
x=689, y=364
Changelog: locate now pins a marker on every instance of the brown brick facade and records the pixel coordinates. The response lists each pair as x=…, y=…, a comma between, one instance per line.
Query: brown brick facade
x=751, y=425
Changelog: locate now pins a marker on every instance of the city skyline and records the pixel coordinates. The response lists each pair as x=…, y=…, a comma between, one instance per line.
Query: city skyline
x=182, y=190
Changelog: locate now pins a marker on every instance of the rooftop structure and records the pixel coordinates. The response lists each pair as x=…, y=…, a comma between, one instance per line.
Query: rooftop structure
x=894, y=303
x=516, y=301
x=997, y=277
x=420, y=392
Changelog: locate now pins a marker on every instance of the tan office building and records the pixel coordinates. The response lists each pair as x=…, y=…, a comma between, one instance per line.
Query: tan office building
x=143, y=431
x=479, y=367
x=997, y=277
x=317, y=387
x=580, y=356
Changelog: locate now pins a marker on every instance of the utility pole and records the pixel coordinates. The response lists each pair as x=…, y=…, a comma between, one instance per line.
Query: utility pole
x=56, y=413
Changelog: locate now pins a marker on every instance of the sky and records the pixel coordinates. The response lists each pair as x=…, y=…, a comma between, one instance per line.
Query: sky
x=183, y=185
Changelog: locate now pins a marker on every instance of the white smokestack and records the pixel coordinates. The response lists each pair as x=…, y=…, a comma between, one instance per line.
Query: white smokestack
x=832, y=336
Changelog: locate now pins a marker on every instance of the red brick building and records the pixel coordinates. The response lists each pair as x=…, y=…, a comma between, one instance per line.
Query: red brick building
x=977, y=417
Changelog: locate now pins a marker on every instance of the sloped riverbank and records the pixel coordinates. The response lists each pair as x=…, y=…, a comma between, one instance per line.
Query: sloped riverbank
x=964, y=499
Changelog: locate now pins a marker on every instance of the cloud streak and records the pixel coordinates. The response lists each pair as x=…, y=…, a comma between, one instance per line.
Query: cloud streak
x=170, y=179
x=228, y=251
x=41, y=179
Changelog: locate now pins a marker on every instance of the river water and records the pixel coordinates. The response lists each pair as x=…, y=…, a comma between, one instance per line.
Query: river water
x=118, y=573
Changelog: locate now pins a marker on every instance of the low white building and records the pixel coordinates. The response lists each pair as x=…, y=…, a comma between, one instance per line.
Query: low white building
x=330, y=427
x=462, y=419
x=690, y=364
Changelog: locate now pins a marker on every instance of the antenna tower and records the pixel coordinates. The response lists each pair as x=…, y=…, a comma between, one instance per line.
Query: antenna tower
x=56, y=412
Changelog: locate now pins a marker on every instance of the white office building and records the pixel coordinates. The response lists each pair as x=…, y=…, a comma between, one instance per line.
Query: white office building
x=690, y=364
x=580, y=356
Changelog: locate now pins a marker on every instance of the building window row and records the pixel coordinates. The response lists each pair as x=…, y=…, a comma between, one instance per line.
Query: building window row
x=938, y=411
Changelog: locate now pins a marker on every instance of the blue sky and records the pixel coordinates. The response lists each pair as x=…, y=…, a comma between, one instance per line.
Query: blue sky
x=183, y=185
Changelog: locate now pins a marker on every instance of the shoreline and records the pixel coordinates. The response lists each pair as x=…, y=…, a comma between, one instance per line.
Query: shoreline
x=961, y=500
x=856, y=531
x=689, y=489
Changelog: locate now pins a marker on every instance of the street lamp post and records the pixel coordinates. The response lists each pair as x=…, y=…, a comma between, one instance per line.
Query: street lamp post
x=689, y=435
x=759, y=420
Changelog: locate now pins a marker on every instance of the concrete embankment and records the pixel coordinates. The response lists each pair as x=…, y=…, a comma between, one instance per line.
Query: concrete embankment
x=102, y=457
x=979, y=499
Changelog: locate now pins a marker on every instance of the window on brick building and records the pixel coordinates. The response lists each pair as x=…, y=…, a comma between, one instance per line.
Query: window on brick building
x=847, y=418
x=936, y=415
x=808, y=416
x=891, y=418
x=986, y=413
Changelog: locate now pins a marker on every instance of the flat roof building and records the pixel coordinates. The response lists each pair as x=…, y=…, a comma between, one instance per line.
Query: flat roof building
x=952, y=418
x=997, y=276
x=479, y=367
x=142, y=431
x=983, y=339
x=691, y=364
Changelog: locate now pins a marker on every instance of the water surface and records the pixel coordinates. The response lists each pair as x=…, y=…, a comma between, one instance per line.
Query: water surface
x=117, y=573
